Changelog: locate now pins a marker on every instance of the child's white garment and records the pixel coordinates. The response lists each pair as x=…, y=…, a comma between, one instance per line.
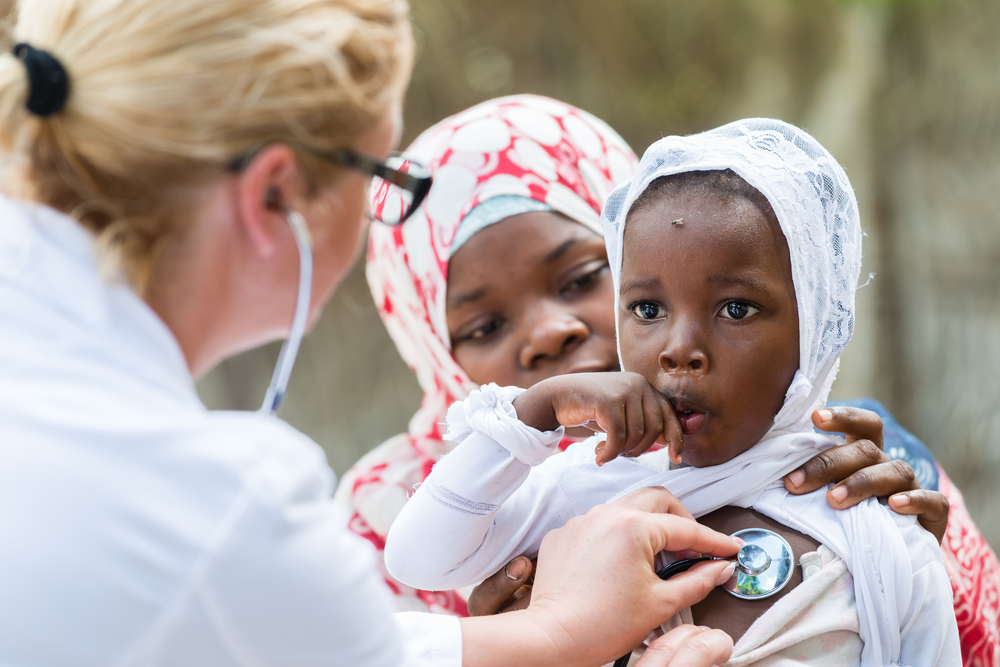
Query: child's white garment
x=499, y=492
x=815, y=624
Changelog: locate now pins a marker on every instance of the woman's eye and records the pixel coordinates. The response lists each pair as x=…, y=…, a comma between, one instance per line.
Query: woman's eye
x=483, y=332
x=738, y=310
x=585, y=280
x=647, y=311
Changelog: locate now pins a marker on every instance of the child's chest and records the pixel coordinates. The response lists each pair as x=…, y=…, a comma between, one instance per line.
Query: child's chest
x=731, y=614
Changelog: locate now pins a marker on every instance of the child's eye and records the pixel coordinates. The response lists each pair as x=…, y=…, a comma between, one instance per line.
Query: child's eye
x=738, y=310
x=647, y=311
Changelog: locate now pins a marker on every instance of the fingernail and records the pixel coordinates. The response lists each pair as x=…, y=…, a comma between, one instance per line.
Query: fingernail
x=825, y=415
x=839, y=493
x=726, y=574
x=797, y=477
x=738, y=540
x=515, y=569
x=704, y=628
x=901, y=500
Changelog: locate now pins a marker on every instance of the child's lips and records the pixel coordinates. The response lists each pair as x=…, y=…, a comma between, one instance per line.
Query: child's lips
x=691, y=417
x=692, y=422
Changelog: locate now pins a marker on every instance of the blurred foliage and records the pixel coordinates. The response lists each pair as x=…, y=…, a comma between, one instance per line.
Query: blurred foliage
x=647, y=67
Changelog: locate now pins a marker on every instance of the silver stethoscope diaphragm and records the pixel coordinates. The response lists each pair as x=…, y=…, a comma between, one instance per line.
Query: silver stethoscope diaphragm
x=764, y=564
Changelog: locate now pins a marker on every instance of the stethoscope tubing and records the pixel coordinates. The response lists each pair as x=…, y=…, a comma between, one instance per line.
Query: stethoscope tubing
x=290, y=348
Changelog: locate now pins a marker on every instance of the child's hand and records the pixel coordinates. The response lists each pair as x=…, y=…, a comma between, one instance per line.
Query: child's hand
x=623, y=405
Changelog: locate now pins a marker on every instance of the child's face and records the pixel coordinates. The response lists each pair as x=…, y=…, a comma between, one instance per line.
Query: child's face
x=530, y=298
x=708, y=316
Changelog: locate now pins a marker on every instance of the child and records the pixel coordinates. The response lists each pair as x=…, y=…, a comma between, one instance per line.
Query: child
x=735, y=280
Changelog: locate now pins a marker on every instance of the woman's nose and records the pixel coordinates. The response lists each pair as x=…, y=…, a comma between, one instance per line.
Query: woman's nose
x=684, y=351
x=551, y=333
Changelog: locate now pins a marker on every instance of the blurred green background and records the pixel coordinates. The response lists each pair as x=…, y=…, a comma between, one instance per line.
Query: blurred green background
x=905, y=93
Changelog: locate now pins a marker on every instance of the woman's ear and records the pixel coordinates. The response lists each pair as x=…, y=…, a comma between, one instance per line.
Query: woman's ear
x=265, y=190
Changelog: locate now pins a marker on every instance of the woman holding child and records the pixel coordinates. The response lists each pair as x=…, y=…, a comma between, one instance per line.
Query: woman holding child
x=556, y=317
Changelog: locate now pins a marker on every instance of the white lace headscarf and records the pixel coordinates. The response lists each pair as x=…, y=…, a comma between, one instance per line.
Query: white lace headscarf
x=817, y=211
x=818, y=214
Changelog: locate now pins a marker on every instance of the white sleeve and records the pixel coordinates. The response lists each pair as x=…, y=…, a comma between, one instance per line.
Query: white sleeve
x=483, y=503
x=285, y=583
x=929, y=631
x=431, y=640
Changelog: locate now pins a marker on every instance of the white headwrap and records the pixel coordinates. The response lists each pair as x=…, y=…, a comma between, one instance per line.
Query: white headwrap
x=818, y=214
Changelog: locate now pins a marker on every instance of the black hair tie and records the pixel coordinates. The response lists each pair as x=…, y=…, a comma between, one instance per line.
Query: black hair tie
x=48, y=83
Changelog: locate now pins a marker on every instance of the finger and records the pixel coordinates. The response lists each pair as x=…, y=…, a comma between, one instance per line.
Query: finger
x=652, y=416
x=635, y=417
x=489, y=597
x=691, y=587
x=834, y=465
x=673, y=432
x=655, y=499
x=612, y=418
x=931, y=508
x=674, y=533
x=520, y=600
x=703, y=649
x=662, y=649
x=855, y=423
x=875, y=481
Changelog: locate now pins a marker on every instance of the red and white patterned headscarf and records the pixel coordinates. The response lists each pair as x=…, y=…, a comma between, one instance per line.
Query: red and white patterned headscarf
x=524, y=145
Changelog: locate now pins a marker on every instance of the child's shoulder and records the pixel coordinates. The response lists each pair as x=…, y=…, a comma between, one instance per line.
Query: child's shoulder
x=722, y=610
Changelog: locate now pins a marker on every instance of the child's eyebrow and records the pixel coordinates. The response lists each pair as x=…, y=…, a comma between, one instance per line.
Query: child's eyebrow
x=640, y=284
x=746, y=281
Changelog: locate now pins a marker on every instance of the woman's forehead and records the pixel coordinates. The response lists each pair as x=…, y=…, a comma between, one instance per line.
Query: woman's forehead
x=515, y=248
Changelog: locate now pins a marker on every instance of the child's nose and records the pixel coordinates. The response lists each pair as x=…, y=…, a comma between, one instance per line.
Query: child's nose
x=684, y=354
x=551, y=332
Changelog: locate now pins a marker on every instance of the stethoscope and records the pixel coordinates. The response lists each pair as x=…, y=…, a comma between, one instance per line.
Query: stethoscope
x=764, y=566
x=290, y=348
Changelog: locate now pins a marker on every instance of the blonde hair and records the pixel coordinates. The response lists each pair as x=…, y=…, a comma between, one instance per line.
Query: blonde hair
x=164, y=94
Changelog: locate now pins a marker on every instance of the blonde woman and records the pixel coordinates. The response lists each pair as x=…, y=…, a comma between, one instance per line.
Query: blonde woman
x=186, y=180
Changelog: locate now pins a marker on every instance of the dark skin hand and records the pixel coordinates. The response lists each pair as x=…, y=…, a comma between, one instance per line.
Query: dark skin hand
x=861, y=470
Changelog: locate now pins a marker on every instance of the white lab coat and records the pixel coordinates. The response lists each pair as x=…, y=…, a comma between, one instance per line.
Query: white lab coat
x=139, y=528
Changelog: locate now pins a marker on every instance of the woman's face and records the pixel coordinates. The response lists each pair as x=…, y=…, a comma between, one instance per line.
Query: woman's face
x=530, y=298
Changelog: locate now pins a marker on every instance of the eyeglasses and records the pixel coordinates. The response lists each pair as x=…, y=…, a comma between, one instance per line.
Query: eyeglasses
x=399, y=185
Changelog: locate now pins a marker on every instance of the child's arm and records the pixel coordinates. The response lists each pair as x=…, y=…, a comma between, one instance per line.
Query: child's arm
x=480, y=506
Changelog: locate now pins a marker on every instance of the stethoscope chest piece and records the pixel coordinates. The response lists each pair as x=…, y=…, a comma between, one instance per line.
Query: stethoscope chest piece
x=764, y=565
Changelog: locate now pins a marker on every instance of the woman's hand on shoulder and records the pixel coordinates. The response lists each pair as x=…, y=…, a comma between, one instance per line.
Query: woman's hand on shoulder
x=623, y=405
x=861, y=470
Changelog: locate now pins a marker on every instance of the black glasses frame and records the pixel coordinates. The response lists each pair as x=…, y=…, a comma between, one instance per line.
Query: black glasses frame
x=418, y=186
